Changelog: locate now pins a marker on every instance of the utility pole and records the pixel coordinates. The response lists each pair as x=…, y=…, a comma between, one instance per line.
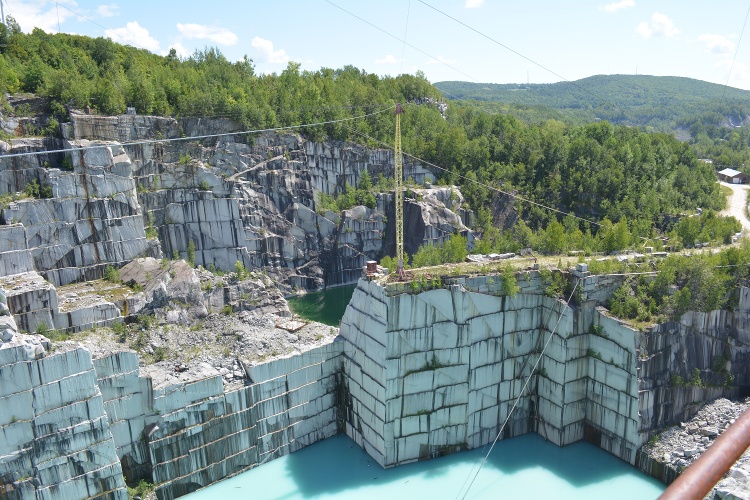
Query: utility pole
x=398, y=162
x=2, y=11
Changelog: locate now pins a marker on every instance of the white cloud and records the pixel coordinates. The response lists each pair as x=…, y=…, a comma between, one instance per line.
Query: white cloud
x=614, y=7
x=441, y=59
x=136, y=35
x=43, y=14
x=474, y=4
x=388, y=59
x=660, y=25
x=108, y=10
x=717, y=44
x=265, y=47
x=222, y=36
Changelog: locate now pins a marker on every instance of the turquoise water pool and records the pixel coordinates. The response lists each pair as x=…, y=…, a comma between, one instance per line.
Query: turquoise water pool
x=326, y=306
x=522, y=467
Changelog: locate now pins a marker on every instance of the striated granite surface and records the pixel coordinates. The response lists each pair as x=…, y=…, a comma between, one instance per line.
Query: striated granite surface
x=55, y=437
x=121, y=193
x=414, y=374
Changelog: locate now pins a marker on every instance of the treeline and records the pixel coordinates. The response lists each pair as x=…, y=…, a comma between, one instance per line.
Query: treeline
x=81, y=71
x=702, y=282
x=663, y=103
x=598, y=172
x=629, y=184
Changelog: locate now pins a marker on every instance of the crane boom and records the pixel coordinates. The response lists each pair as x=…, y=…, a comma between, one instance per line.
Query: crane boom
x=398, y=162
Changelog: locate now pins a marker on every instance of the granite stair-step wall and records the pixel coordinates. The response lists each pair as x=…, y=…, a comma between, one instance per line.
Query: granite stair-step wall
x=205, y=435
x=438, y=371
x=55, y=439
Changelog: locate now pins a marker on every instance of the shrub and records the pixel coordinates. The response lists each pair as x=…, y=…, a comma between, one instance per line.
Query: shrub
x=160, y=354
x=120, y=330
x=151, y=232
x=146, y=321
x=141, y=490
x=508, y=283
x=32, y=189
x=240, y=269
x=112, y=274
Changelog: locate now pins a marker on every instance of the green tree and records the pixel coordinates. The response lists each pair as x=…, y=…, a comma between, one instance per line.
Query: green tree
x=454, y=250
x=191, y=253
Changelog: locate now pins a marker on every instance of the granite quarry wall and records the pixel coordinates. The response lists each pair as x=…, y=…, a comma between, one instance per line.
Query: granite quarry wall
x=234, y=198
x=73, y=428
x=412, y=375
x=223, y=201
x=438, y=371
x=55, y=438
x=187, y=435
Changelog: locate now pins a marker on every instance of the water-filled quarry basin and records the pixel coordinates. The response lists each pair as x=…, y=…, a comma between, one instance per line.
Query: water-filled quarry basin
x=325, y=306
x=521, y=467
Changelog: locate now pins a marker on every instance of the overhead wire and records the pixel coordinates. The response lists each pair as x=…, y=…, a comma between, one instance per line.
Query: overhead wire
x=194, y=137
x=106, y=30
x=493, y=188
x=440, y=60
x=731, y=67
x=406, y=30
x=523, y=389
x=583, y=89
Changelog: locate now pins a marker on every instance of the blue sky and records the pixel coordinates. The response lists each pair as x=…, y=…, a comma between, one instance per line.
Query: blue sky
x=563, y=40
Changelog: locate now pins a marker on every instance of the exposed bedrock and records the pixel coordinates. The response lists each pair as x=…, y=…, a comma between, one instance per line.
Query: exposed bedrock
x=55, y=438
x=218, y=201
x=414, y=374
x=438, y=371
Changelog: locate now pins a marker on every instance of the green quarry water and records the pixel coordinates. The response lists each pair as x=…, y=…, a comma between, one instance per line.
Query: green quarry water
x=326, y=306
x=521, y=467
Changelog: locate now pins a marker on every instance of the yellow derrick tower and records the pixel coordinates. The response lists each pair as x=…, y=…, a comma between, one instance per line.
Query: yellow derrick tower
x=398, y=162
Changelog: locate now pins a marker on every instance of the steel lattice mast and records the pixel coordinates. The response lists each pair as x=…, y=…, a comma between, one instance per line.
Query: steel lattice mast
x=398, y=162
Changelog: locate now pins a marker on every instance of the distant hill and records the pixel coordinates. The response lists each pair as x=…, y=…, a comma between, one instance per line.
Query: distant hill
x=662, y=102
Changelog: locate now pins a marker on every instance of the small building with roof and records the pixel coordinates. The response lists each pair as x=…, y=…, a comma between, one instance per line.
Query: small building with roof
x=733, y=176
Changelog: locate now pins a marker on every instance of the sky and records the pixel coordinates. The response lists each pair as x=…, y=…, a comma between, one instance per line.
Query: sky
x=483, y=41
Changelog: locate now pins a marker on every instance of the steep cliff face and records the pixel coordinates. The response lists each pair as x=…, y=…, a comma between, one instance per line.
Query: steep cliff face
x=55, y=438
x=218, y=200
x=414, y=374
x=699, y=358
x=439, y=371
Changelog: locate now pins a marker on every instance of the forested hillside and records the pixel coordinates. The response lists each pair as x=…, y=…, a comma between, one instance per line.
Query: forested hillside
x=629, y=183
x=661, y=102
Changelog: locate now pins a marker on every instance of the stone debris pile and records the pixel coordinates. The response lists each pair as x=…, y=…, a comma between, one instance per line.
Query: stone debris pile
x=681, y=445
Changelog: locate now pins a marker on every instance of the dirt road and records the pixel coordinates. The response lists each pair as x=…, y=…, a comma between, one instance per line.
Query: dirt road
x=737, y=204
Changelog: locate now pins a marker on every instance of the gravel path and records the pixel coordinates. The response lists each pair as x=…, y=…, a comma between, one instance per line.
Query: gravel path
x=737, y=204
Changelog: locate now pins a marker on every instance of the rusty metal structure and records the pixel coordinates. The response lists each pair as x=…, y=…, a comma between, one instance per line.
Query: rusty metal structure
x=704, y=473
x=398, y=163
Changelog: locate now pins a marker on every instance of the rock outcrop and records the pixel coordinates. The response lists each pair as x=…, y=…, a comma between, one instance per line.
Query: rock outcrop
x=55, y=439
x=130, y=187
x=677, y=447
x=416, y=373
x=120, y=193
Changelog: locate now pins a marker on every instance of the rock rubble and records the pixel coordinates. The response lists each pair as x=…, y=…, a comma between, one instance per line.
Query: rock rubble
x=681, y=445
